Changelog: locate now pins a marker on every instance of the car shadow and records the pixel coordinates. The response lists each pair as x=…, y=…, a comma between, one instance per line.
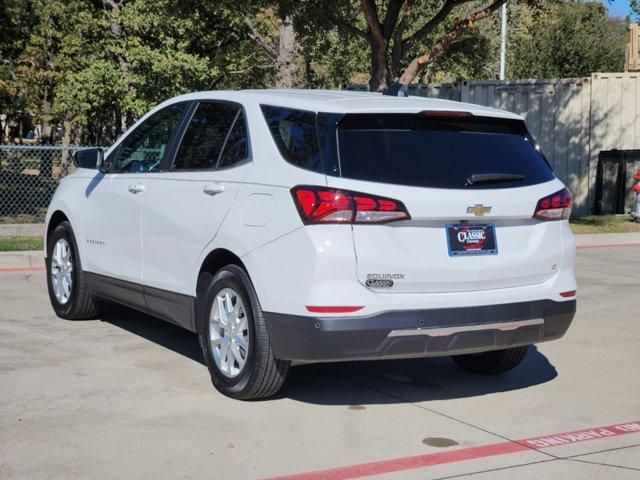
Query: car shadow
x=410, y=380
x=355, y=384
x=153, y=329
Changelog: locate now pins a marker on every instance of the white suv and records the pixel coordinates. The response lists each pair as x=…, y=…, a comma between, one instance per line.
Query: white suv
x=286, y=227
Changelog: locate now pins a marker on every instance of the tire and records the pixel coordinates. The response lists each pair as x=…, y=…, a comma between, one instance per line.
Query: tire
x=79, y=303
x=262, y=374
x=493, y=362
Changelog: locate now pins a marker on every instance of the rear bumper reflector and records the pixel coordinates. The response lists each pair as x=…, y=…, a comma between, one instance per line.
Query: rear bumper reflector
x=570, y=293
x=332, y=309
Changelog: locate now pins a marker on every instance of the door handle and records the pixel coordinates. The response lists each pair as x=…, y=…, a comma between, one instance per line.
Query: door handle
x=136, y=188
x=214, y=188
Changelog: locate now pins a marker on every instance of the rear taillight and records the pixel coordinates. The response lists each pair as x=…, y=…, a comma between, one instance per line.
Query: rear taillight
x=556, y=206
x=330, y=205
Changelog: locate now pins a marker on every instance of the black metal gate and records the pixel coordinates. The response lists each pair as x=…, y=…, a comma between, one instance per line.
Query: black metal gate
x=614, y=181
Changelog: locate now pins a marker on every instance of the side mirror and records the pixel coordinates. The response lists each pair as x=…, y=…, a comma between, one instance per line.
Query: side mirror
x=88, y=158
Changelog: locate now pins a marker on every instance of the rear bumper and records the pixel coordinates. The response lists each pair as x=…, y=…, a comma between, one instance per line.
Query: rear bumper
x=418, y=333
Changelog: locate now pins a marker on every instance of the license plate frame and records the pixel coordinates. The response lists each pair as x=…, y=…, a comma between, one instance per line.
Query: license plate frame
x=480, y=239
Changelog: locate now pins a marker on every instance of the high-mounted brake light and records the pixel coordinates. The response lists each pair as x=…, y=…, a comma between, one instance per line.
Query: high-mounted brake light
x=330, y=205
x=445, y=114
x=556, y=206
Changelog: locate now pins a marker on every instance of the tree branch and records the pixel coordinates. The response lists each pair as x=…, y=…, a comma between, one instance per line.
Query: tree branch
x=461, y=25
x=398, y=51
x=345, y=26
x=432, y=24
x=259, y=40
x=391, y=18
x=370, y=12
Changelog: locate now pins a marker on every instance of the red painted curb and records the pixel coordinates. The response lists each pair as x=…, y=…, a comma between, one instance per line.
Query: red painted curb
x=419, y=461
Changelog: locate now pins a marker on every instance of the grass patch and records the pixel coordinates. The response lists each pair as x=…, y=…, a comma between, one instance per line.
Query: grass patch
x=20, y=244
x=604, y=224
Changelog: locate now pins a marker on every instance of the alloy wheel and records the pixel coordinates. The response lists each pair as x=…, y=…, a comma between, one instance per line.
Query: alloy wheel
x=229, y=332
x=61, y=271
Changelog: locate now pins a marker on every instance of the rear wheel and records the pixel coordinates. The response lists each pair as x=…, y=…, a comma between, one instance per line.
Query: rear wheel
x=493, y=362
x=234, y=338
x=68, y=291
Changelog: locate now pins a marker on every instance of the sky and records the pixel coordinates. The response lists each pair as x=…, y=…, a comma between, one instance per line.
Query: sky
x=618, y=8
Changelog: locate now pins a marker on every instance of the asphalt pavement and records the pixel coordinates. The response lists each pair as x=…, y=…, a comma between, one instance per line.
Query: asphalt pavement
x=128, y=396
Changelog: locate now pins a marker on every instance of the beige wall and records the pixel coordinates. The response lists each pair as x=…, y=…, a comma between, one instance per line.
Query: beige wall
x=572, y=119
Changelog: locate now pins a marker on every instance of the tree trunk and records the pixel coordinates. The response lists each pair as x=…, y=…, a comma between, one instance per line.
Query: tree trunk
x=420, y=63
x=288, y=50
x=380, y=73
x=45, y=125
x=114, y=8
x=66, y=153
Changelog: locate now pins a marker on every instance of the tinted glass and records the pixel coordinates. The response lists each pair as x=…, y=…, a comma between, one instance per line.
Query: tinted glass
x=438, y=152
x=143, y=149
x=236, y=149
x=204, y=138
x=296, y=135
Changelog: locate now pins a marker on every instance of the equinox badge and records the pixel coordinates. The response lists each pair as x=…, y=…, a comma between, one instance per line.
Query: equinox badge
x=478, y=209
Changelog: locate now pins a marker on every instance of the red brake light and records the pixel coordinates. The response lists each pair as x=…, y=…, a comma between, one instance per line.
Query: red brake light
x=445, y=114
x=556, y=206
x=329, y=205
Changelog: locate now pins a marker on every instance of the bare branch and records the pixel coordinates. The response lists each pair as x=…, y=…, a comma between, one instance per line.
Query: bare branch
x=259, y=40
x=461, y=25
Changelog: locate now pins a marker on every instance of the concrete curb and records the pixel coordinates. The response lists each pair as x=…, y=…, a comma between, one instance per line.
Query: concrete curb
x=599, y=240
x=21, y=229
x=21, y=261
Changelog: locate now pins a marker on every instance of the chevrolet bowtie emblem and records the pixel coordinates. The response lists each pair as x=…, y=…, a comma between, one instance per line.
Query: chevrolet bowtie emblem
x=478, y=209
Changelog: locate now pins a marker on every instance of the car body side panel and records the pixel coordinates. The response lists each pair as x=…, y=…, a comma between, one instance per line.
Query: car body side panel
x=70, y=199
x=179, y=218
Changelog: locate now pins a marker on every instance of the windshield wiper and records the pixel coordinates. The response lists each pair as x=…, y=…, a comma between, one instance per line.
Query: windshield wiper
x=477, y=178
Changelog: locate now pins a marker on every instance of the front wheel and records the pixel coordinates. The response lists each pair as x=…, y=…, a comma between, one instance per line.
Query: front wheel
x=68, y=290
x=234, y=338
x=493, y=362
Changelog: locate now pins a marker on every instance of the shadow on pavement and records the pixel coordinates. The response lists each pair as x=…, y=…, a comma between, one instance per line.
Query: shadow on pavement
x=412, y=380
x=158, y=331
x=355, y=383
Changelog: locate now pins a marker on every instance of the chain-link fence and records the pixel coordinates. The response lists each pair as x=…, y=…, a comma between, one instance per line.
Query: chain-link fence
x=28, y=177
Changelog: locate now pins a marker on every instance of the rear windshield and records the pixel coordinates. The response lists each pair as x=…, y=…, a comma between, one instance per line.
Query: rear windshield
x=423, y=150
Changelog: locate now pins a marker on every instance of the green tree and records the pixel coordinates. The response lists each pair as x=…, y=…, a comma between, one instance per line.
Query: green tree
x=402, y=38
x=564, y=39
x=97, y=65
x=635, y=9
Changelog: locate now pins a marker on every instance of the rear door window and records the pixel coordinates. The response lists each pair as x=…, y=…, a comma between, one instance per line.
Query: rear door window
x=204, y=138
x=236, y=149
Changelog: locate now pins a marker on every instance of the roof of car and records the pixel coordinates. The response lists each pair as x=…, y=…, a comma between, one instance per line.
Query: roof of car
x=345, y=101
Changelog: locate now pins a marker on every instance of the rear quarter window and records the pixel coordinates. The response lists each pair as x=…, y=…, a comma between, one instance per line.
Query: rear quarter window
x=295, y=133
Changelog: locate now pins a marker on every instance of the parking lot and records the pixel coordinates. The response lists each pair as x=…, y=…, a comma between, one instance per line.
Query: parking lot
x=128, y=396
